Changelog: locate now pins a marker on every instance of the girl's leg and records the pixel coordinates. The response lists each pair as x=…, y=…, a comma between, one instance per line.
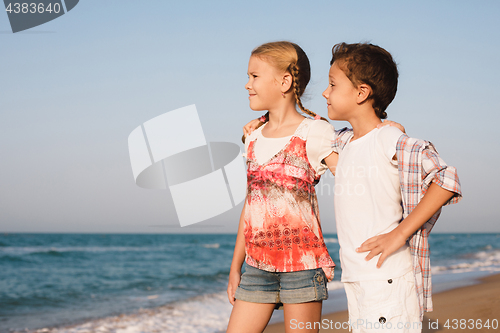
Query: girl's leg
x=248, y=317
x=303, y=317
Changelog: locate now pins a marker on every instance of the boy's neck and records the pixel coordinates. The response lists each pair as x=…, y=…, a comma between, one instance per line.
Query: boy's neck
x=363, y=123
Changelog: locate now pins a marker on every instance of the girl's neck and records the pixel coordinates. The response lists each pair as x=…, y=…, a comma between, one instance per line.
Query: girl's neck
x=284, y=117
x=282, y=122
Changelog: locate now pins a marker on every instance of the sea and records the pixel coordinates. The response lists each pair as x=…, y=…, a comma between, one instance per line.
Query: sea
x=142, y=283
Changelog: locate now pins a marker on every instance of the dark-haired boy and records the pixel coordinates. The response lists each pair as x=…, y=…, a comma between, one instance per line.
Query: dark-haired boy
x=389, y=190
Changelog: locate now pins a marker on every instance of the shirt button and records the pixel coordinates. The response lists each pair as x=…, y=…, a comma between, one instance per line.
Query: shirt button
x=320, y=278
x=390, y=280
x=382, y=320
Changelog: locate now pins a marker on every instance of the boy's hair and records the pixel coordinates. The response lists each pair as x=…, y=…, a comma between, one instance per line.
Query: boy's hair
x=372, y=65
x=288, y=57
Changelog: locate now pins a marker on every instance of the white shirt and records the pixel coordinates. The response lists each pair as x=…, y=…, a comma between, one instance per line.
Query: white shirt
x=368, y=203
x=318, y=144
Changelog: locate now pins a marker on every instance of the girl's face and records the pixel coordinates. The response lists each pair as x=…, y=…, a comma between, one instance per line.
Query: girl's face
x=340, y=95
x=263, y=85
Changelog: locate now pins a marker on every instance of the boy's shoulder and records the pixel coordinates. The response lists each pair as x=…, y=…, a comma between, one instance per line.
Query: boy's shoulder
x=386, y=136
x=389, y=134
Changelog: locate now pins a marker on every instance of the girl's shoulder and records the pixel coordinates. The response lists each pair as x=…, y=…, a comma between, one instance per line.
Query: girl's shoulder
x=318, y=128
x=321, y=125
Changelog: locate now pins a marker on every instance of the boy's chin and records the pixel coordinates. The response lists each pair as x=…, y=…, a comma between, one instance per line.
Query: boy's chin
x=335, y=117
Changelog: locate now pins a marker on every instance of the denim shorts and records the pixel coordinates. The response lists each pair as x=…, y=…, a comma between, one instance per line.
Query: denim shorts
x=259, y=286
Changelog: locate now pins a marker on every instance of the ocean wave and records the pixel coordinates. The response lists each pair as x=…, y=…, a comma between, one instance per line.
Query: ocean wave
x=12, y=250
x=331, y=240
x=25, y=250
x=211, y=246
x=204, y=314
x=333, y=285
x=488, y=260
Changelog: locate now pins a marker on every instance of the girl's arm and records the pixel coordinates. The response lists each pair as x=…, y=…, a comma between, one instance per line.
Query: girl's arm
x=331, y=162
x=238, y=258
x=253, y=124
x=392, y=123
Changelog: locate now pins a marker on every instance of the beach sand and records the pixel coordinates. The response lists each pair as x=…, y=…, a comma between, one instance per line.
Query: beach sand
x=463, y=308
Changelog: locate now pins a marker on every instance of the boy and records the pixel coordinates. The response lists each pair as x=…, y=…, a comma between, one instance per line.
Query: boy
x=388, y=188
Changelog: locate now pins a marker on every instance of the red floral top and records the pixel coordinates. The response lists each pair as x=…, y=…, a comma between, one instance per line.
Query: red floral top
x=282, y=225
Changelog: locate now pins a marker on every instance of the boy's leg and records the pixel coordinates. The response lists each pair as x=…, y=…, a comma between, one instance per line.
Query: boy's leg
x=384, y=306
x=247, y=317
x=303, y=317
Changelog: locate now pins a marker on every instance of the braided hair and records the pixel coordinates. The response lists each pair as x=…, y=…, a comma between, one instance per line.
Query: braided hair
x=288, y=57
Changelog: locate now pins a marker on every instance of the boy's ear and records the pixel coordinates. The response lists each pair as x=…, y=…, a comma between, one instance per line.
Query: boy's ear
x=364, y=93
x=286, y=82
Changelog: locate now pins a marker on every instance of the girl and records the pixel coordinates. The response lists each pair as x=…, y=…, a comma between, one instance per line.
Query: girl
x=279, y=235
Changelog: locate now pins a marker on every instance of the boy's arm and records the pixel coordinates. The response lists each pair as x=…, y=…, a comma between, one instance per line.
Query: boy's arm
x=250, y=127
x=238, y=258
x=254, y=124
x=386, y=244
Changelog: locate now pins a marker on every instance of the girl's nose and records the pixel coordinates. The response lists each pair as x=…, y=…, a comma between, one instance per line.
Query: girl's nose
x=324, y=93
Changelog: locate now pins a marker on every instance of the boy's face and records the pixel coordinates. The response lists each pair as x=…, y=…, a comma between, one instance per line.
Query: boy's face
x=341, y=95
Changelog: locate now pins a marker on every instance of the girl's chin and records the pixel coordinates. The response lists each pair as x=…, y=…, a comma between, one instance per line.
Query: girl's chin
x=254, y=108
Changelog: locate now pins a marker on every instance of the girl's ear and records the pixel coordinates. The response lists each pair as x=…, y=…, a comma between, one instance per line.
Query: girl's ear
x=364, y=93
x=286, y=82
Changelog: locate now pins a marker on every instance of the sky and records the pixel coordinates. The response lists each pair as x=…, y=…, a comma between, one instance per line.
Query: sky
x=73, y=89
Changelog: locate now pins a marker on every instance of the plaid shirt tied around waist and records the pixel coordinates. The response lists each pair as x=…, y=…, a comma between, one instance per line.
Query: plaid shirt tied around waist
x=419, y=165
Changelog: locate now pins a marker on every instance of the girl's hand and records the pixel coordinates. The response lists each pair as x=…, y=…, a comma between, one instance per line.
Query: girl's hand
x=250, y=127
x=234, y=282
x=392, y=123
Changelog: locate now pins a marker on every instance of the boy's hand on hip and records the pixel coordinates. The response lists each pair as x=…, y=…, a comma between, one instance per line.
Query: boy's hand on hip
x=384, y=244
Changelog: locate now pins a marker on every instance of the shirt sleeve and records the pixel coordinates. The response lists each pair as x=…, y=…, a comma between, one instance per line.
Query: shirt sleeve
x=436, y=170
x=389, y=136
x=319, y=144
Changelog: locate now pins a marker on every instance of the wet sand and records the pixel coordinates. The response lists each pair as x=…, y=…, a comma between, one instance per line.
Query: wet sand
x=463, y=309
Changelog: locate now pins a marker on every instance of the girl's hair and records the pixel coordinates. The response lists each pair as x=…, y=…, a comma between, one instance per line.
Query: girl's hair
x=288, y=57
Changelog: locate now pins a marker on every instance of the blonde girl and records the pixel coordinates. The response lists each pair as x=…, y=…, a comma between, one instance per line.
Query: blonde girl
x=279, y=239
